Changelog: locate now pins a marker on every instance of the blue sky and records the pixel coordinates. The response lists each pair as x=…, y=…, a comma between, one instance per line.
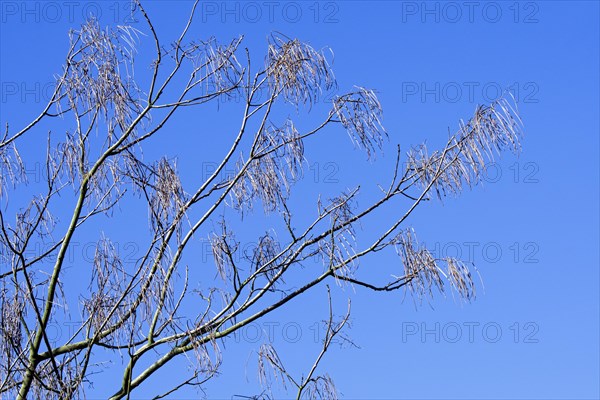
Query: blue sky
x=532, y=228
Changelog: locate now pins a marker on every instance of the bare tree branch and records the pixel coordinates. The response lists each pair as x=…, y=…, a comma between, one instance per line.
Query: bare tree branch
x=142, y=313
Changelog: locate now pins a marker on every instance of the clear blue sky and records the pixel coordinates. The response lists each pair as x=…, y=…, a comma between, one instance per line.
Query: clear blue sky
x=532, y=229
